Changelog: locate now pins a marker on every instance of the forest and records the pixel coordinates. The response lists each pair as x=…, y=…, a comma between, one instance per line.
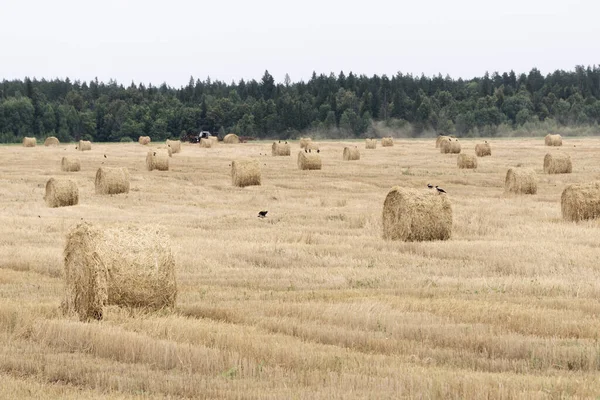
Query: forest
x=326, y=106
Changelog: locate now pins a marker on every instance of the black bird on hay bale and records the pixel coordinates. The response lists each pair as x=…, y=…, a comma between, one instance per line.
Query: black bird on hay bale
x=262, y=214
x=440, y=190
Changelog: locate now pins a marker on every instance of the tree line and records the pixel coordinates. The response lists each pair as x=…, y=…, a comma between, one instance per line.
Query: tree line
x=336, y=106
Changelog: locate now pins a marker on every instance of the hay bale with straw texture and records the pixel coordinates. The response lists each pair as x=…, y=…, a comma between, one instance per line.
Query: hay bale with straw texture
x=84, y=145
x=112, y=180
x=168, y=149
x=123, y=266
x=466, y=161
x=245, y=172
x=214, y=139
x=61, y=193
x=581, y=201
x=351, y=153
x=557, y=163
x=416, y=215
x=450, y=146
x=521, y=181
x=231, y=138
x=175, y=146
x=387, y=142
x=157, y=159
x=483, y=149
x=280, y=149
x=309, y=160
x=51, y=141
x=206, y=143
x=553, y=140
x=304, y=142
x=314, y=146
x=371, y=144
x=439, y=140
x=29, y=142
x=70, y=164
x=144, y=140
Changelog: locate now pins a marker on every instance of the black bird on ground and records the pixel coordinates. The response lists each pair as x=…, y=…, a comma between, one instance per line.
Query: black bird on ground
x=306, y=151
x=285, y=142
x=430, y=186
x=105, y=155
x=440, y=190
x=280, y=141
x=318, y=151
x=262, y=214
x=310, y=150
x=154, y=154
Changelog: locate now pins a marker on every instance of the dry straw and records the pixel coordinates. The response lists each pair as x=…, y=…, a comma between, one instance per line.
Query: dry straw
x=61, y=193
x=84, y=145
x=553, y=140
x=112, y=180
x=206, y=143
x=371, y=144
x=416, y=215
x=387, y=142
x=29, y=142
x=144, y=140
x=351, y=153
x=439, y=140
x=466, y=161
x=450, y=146
x=215, y=140
x=581, y=201
x=557, y=163
x=309, y=160
x=304, y=142
x=51, y=141
x=245, y=172
x=521, y=181
x=123, y=266
x=168, y=149
x=483, y=149
x=280, y=149
x=70, y=164
x=175, y=145
x=157, y=159
x=231, y=138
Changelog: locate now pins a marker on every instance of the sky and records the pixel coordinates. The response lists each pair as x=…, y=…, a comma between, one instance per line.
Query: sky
x=169, y=41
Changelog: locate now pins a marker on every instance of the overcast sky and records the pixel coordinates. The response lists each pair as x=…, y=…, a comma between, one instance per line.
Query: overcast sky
x=167, y=41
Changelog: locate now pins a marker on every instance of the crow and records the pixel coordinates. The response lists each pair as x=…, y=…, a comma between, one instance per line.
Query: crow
x=285, y=142
x=154, y=154
x=430, y=186
x=306, y=151
x=310, y=150
x=318, y=151
x=105, y=155
x=262, y=214
x=440, y=190
x=280, y=141
x=75, y=147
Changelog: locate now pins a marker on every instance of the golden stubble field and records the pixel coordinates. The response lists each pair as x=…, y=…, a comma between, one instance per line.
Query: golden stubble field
x=310, y=302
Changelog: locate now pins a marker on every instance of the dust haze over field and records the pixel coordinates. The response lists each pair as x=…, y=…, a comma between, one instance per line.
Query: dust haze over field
x=309, y=302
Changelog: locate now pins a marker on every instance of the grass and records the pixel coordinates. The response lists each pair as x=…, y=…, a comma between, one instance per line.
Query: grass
x=309, y=302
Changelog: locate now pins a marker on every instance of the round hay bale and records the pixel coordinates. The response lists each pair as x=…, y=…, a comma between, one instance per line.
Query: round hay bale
x=61, y=193
x=466, y=161
x=112, y=180
x=309, y=160
x=245, y=172
x=304, y=142
x=450, y=146
x=581, y=201
x=231, y=138
x=85, y=145
x=387, y=142
x=371, y=144
x=483, y=149
x=123, y=266
x=280, y=149
x=416, y=215
x=553, y=140
x=175, y=146
x=51, y=141
x=70, y=164
x=168, y=149
x=29, y=142
x=314, y=146
x=351, y=153
x=439, y=140
x=521, y=181
x=557, y=163
x=144, y=140
x=157, y=159
x=206, y=143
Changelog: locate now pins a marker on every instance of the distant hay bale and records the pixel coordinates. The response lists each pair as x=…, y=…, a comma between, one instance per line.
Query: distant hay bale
x=84, y=145
x=371, y=144
x=175, y=145
x=553, y=140
x=304, y=142
x=521, y=181
x=314, y=146
x=557, y=163
x=351, y=153
x=214, y=139
x=29, y=142
x=439, y=140
x=61, y=193
x=206, y=143
x=157, y=159
x=231, y=138
x=144, y=140
x=280, y=149
x=51, y=141
x=112, y=180
x=466, y=161
x=245, y=172
x=581, y=201
x=483, y=149
x=416, y=215
x=387, y=142
x=309, y=160
x=70, y=164
x=450, y=146
x=123, y=266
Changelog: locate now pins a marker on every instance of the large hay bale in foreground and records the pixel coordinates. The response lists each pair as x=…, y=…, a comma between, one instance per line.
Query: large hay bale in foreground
x=450, y=146
x=157, y=159
x=557, y=163
x=553, y=140
x=175, y=145
x=280, y=149
x=29, y=142
x=416, y=215
x=112, y=180
x=304, y=142
x=231, y=138
x=581, y=201
x=387, y=142
x=84, y=145
x=144, y=140
x=483, y=149
x=124, y=266
x=466, y=161
x=206, y=143
x=245, y=172
x=351, y=153
x=439, y=140
x=521, y=181
x=309, y=160
x=70, y=164
x=61, y=193
x=51, y=141
x=371, y=144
